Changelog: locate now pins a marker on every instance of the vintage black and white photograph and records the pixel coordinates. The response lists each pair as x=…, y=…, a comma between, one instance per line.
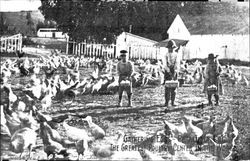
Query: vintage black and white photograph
x=124, y=80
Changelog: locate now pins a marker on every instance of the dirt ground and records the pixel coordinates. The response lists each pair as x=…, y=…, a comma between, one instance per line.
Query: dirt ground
x=146, y=116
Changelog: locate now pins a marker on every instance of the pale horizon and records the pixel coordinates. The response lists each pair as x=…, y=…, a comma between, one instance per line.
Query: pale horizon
x=19, y=5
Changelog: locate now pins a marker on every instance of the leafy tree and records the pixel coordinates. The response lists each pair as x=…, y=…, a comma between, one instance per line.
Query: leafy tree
x=5, y=29
x=96, y=20
x=30, y=23
x=45, y=24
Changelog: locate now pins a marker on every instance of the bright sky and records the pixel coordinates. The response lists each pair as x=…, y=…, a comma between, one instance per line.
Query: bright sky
x=19, y=5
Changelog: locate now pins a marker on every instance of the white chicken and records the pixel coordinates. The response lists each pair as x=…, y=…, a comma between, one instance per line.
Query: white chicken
x=96, y=131
x=96, y=87
x=23, y=139
x=178, y=130
x=245, y=81
x=194, y=131
x=113, y=87
x=4, y=129
x=75, y=134
x=47, y=100
x=12, y=97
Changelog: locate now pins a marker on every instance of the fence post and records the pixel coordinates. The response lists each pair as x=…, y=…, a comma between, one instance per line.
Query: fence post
x=73, y=47
x=67, y=46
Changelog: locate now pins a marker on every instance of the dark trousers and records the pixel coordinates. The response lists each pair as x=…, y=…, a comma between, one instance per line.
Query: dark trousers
x=216, y=96
x=170, y=94
x=128, y=89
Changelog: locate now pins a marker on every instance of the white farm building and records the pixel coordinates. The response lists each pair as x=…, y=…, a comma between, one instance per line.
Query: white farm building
x=51, y=33
x=137, y=46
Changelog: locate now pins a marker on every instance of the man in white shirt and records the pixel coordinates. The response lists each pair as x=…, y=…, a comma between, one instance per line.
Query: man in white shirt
x=124, y=70
x=171, y=67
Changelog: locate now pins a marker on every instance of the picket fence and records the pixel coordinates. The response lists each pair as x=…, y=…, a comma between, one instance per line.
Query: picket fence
x=111, y=50
x=11, y=43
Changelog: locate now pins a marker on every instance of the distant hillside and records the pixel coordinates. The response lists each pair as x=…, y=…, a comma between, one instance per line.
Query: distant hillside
x=219, y=18
x=18, y=20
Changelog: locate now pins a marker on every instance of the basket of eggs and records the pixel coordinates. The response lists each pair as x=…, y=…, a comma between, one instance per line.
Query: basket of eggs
x=172, y=83
x=212, y=89
x=125, y=83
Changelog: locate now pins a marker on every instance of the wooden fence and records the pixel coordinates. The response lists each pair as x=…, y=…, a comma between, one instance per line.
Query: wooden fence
x=11, y=43
x=226, y=46
x=111, y=51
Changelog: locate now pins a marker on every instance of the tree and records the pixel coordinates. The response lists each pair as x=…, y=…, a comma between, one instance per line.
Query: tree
x=5, y=29
x=96, y=20
x=30, y=23
x=45, y=24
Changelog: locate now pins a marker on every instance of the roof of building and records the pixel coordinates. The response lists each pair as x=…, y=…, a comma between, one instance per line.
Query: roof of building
x=127, y=33
x=178, y=29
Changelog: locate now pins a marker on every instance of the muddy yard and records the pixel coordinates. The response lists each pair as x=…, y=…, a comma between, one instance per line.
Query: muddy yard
x=147, y=113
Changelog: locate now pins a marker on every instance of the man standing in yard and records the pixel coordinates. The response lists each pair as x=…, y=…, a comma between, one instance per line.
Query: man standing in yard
x=171, y=68
x=212, y=78
x=124, y=70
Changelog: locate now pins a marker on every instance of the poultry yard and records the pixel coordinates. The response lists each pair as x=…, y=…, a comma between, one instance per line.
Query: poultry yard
x=146, y=116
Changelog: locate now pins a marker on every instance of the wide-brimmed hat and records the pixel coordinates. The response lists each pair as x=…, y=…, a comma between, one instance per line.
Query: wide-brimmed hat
x=211, y=56
x=171, y=44
x=123, y=52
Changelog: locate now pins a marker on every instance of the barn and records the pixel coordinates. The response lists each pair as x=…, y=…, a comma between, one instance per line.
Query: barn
x=177, y=32
x=227, y=46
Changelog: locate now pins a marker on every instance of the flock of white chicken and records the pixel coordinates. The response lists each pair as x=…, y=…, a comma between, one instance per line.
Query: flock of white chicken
x=180, y=140
x=22, y=120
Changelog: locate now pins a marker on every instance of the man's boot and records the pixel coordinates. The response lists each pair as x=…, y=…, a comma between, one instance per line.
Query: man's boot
x=167, y=97
x=216, y=100
x=210, y=100
x=120, y=101
x=173, y=94
x=129, y=100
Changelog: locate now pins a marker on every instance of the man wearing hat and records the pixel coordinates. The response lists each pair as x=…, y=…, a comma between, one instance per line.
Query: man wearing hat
x=124, y=70
x=212, y=79
x=171, y=65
